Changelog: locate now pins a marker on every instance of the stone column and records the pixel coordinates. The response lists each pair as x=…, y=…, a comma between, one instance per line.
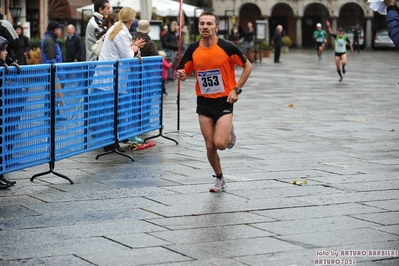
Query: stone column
x=266, y=18
x=368, y=33
x=299, y=32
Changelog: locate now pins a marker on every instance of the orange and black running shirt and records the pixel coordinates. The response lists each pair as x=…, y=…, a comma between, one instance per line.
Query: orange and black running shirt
x=213, y=66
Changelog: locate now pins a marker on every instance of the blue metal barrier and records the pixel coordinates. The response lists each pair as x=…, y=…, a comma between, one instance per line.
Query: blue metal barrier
x=140, y=91
x=49, y=113
x=152, y=94
x=84, y=118
x=129, y=98
x=25, y=117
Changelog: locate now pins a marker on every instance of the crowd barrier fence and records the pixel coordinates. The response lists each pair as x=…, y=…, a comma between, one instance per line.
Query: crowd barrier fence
x=52, y=112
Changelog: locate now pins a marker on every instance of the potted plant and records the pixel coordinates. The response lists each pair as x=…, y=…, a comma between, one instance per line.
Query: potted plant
x=286, y=44
x=254, y=54
x=266, y=49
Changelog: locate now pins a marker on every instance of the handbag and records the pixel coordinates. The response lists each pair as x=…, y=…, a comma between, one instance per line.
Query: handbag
x=96, y=48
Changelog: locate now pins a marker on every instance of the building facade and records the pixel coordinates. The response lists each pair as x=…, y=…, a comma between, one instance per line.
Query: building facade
x=39, y=12
x=299, y=17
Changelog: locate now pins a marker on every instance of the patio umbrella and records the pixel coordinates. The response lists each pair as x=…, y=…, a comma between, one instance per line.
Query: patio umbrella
x=146, y=9
x=161, y=8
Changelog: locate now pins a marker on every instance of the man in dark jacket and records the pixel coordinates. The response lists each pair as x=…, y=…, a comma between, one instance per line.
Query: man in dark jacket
x=73, y=45
x=150, y=48
x=277, y=42
x=50, y=49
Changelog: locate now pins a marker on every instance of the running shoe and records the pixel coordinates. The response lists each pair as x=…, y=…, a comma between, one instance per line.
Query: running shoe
x=219, y=185
x=233, y=138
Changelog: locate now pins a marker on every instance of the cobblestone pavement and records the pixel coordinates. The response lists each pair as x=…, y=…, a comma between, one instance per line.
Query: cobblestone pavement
x=294, y=122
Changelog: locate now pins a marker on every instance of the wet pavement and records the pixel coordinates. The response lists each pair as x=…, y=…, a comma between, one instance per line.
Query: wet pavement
x=295, y=122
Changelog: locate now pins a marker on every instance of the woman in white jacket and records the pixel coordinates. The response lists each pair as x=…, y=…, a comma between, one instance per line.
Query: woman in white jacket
x=118, y=41
x=117, y=45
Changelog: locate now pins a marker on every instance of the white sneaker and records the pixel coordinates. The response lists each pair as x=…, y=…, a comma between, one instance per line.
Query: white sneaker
x=233, y=138
x=219, y=185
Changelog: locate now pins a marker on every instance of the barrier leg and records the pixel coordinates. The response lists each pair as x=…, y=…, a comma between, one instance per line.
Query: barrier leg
x=51, y=171
x=161, y=121
x=116, y=151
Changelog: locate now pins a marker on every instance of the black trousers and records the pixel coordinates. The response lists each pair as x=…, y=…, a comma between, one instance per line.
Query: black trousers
x=277, y=52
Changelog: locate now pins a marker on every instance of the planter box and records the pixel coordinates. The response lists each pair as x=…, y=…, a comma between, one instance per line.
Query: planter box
x=266, y=53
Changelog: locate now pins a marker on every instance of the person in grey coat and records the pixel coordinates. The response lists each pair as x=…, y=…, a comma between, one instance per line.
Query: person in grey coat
x=102, y=9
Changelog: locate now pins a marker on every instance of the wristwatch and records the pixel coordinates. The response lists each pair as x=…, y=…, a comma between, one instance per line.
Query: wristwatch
x=238, y=90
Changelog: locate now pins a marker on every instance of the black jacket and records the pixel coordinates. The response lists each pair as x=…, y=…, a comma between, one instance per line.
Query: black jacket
x=277, y=39
x=23, y=47
x=73, y=47
x=12, y=44
x=169, y=41
x=149, y=48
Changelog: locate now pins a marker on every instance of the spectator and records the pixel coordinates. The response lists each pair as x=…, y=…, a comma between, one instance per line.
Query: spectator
x=118, y=44
x=5, y=61
x=8, y=32
x=164, y=30
x=150, y=48
x=102, y=9
x=165, y=66
x=51, y=52
x=392, y=19
x=106, y=24
x=248, y=37
x=23, y=49
x=170, y=45
x=73, y=45
x=277, y=43
x=133, y=28
x=185, y=37
x=356, y=44
x=50, y=49
x=234, y=34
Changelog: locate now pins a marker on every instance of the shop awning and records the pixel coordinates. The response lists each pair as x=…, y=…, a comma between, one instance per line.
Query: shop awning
x=65, y=9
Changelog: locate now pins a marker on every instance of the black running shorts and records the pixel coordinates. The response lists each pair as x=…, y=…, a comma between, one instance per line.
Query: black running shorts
x=318, y=44
x=214, y=108
x=339, y=54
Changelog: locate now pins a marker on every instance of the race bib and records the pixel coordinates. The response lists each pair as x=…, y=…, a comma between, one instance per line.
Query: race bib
x=341, y=45
x=210, y=81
